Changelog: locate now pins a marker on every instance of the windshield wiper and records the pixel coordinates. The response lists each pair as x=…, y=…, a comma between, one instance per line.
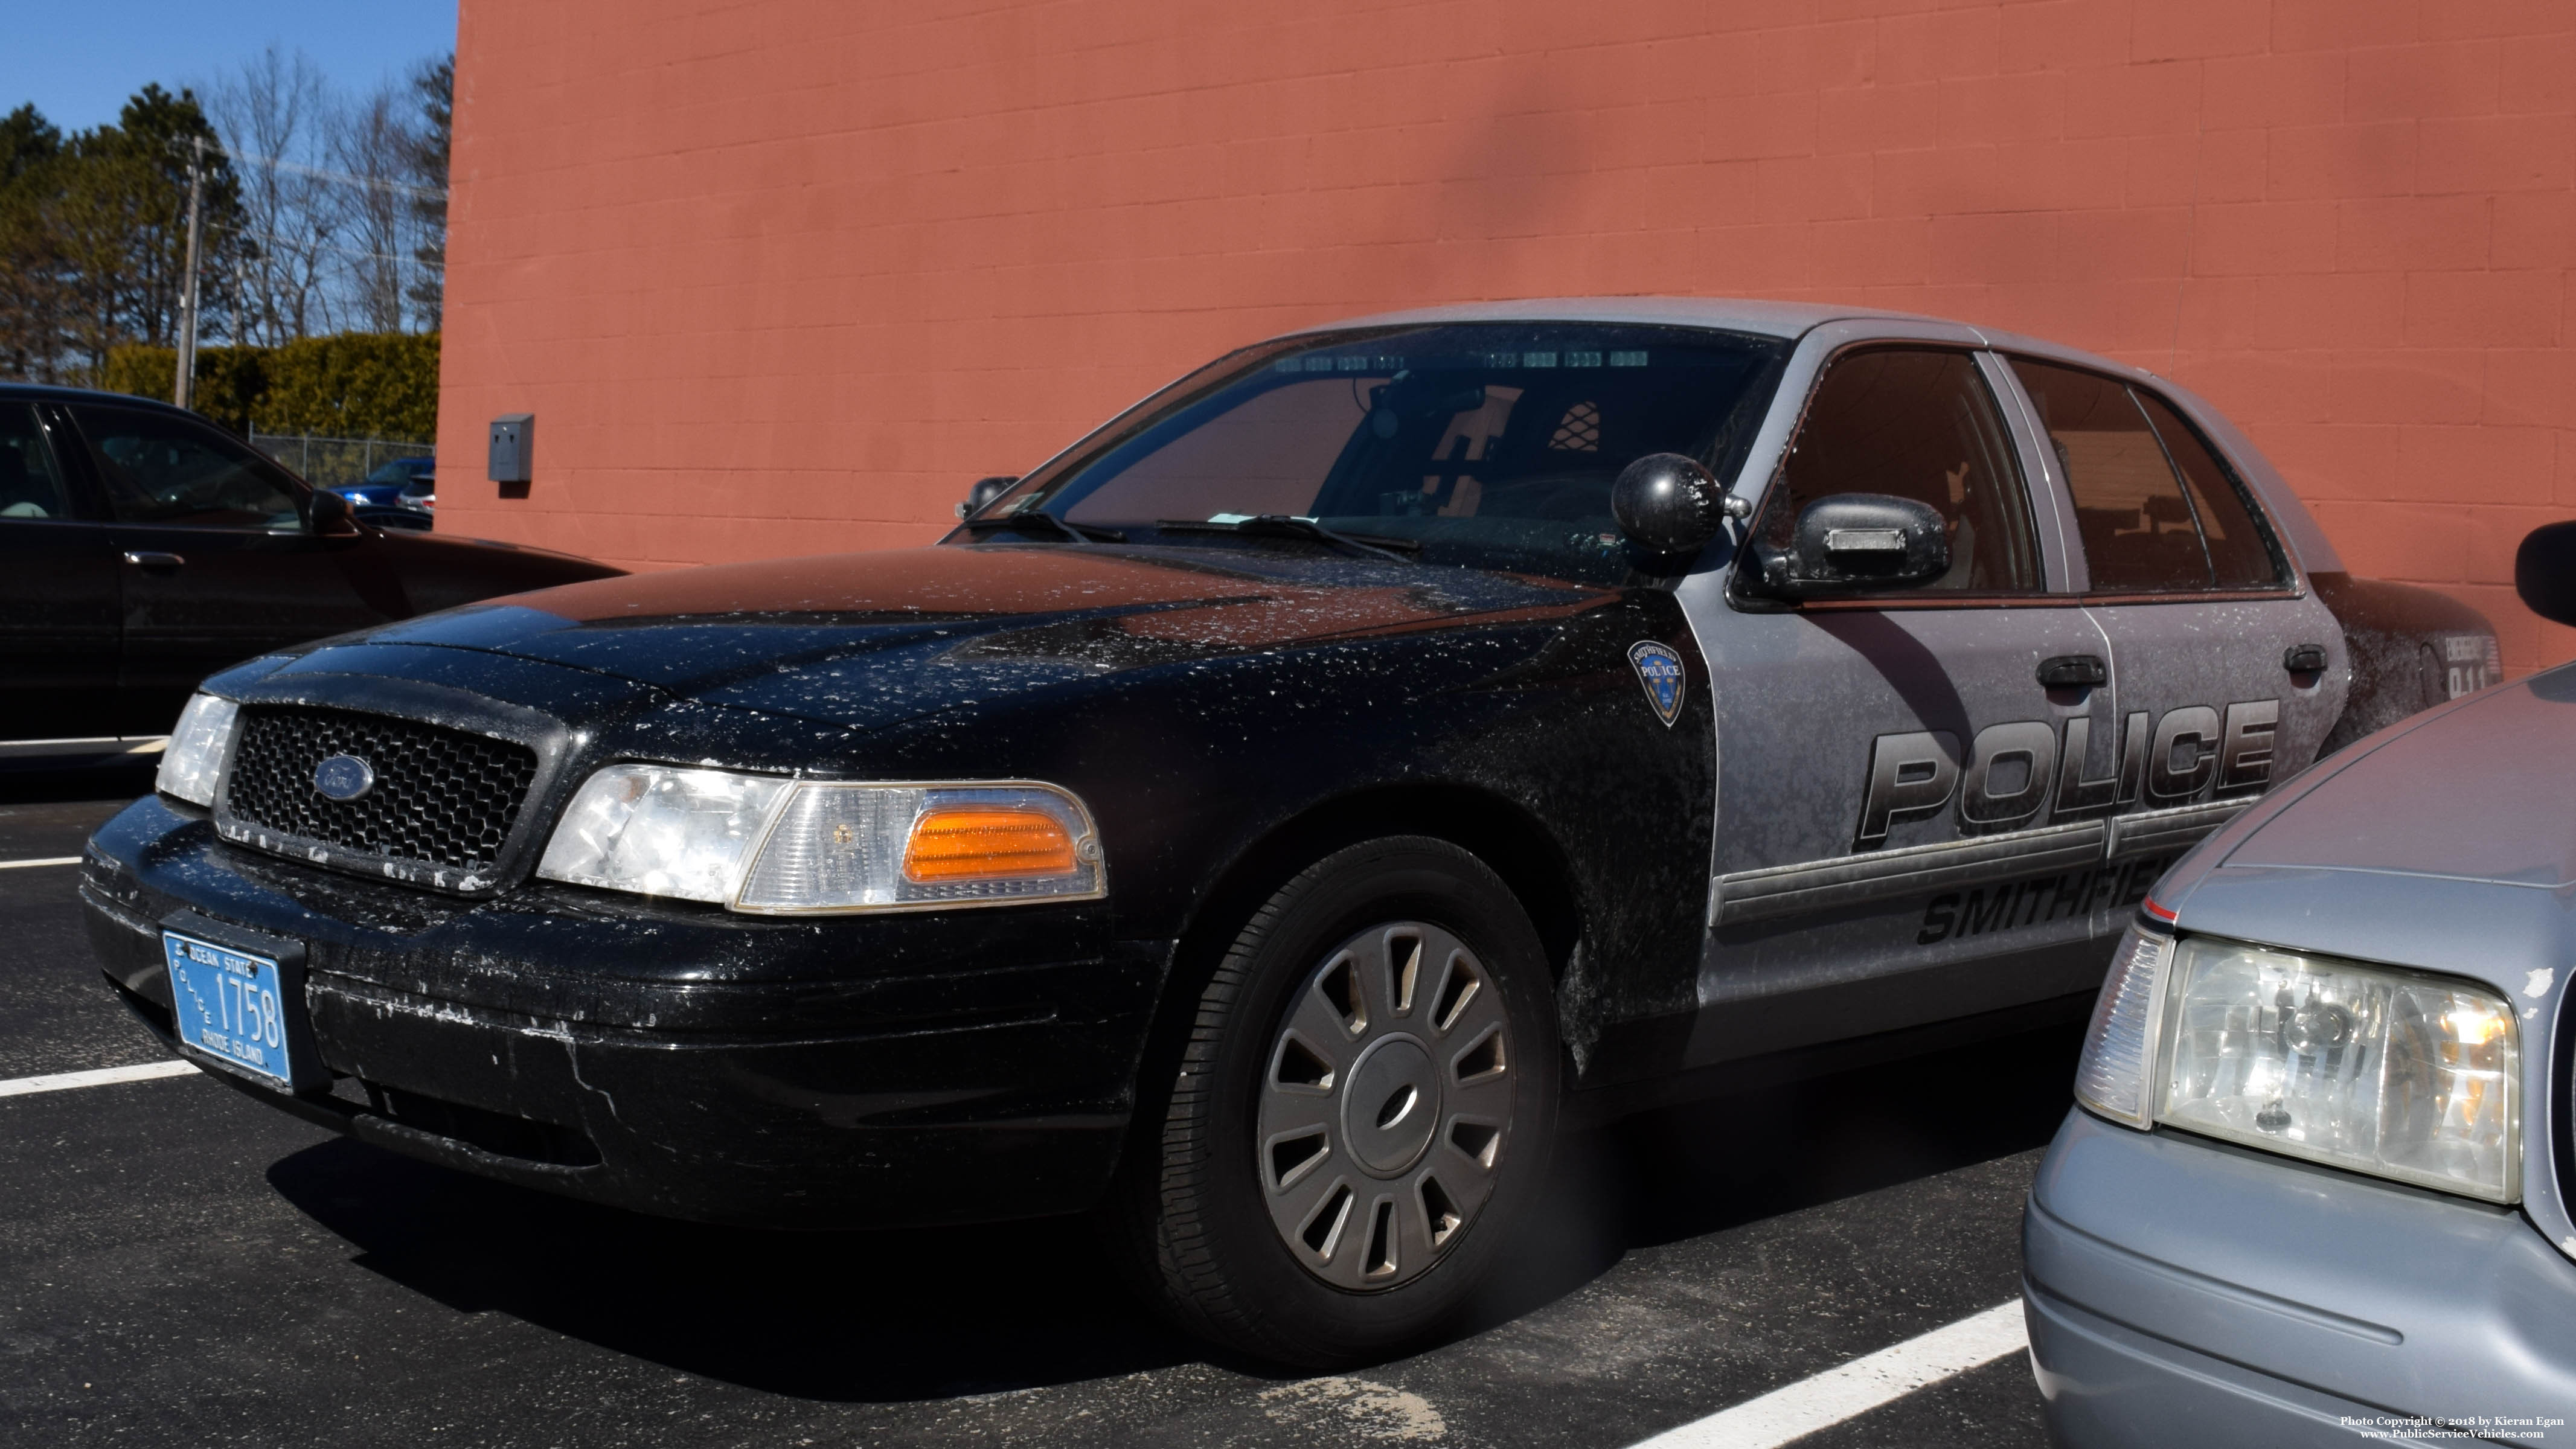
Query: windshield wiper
x=1281, y=525
x=1078, y=532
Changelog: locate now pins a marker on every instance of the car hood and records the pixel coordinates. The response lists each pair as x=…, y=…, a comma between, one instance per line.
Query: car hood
x=867, y=639
x=2475, y=793
x=2445, y=842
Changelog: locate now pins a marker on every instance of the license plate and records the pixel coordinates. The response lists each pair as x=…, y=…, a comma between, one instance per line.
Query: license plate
x=232, y=1005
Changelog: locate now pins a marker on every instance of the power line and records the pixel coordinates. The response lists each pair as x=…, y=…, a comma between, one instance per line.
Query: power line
x=277, y=163
x=280, y=163
x=287, y=241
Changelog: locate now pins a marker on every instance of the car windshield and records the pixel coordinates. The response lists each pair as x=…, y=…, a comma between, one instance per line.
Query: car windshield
x=400, y=470
x=1487, y=445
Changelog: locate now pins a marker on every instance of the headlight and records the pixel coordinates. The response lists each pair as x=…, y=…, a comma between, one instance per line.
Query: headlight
x=2369, y=1068
x=194, y=760
x=2407, y=1076
x=764, y=844
x=662, y=831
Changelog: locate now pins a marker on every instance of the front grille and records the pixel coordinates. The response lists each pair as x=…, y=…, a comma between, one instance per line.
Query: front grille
x=442, y=797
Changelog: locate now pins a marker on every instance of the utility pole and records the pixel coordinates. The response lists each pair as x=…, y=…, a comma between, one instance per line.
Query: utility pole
x=182, y=388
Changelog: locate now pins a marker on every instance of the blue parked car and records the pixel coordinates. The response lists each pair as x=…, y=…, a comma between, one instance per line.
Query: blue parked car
x=400, y=483
x=2319, y=1183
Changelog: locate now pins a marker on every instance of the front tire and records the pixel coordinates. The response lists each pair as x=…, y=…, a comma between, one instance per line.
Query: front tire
x=1363, y=1108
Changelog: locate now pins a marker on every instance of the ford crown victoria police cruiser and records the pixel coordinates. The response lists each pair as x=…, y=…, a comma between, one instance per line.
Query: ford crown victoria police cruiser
x=1259, y=822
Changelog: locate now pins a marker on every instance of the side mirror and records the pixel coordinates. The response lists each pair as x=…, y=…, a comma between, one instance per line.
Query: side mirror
x=329, y=512
x=984, y=491
x=1858, y=542
x=1670, y=504
x=2544, y=572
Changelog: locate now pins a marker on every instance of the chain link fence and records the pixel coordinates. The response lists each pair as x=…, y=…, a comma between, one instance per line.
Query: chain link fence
x=336, y=462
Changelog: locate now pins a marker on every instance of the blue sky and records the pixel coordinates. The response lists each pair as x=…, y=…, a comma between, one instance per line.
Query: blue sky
x=79, y=59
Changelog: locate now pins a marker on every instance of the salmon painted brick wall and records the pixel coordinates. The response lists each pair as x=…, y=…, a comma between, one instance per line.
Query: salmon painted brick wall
x=783, y=276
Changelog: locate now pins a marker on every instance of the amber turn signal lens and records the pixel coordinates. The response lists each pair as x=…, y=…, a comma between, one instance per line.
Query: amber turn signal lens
x=987, y=844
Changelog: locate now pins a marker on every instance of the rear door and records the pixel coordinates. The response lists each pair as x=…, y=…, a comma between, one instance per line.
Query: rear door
x=216, y=562
x=1906, y=828
x=2229, y=673
x=58, y=610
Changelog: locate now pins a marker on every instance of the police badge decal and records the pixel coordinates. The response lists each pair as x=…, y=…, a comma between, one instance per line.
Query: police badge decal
x=1660, y=670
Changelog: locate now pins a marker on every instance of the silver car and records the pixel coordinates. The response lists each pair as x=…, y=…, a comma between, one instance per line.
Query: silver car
x=2317, y=1189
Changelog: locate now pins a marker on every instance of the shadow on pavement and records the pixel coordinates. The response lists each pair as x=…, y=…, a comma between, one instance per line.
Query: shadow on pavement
x=896, y=1316
x=862, y=1317
x=1683, y=1172
x=1698, y=1169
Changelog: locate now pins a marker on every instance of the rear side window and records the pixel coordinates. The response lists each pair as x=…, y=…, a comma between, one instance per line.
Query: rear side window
x=29, y=486
x=161, y=469
x=2239, y=558
x=2156, y=509
x=1916, y=424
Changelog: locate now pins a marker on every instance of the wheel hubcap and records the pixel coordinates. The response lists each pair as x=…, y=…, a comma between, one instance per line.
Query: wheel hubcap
x=1385, y=1105
x=1392, y=1106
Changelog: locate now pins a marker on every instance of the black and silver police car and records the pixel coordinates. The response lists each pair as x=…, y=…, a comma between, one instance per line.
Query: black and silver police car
x=1261, y=823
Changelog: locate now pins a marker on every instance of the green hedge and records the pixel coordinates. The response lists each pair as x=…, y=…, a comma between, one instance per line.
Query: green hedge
x=355, y=385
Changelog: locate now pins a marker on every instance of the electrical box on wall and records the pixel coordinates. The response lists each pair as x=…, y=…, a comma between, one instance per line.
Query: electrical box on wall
x=514, y=438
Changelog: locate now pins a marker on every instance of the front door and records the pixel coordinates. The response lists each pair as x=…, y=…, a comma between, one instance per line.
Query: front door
x=217, y=564
x=57, y=601
x=1911, y=817
x=2228, y=675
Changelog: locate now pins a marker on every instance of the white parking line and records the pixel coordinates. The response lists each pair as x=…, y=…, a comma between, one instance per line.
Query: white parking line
x=1857, y=1387
x=48, y=860
x=102, y=1077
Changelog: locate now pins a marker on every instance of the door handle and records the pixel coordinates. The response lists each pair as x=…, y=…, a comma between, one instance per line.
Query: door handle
x=2304, y=658
x=156, y=562
x=2074, y=671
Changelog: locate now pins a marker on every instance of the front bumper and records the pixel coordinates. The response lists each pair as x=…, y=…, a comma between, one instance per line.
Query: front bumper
x=837, y=1072
x=2180, y=1291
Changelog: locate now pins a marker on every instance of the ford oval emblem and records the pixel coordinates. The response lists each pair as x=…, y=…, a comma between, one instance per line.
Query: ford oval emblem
x=343, y=777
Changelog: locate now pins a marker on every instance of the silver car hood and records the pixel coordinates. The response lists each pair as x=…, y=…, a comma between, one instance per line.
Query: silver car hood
x=2483, y=792
x=2446, y=842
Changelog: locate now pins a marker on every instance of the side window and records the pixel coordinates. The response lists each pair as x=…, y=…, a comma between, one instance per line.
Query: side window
x=2239, y=555
x=161, y=469
x=29, y=485
x=1923, y=425
x=2156, y=510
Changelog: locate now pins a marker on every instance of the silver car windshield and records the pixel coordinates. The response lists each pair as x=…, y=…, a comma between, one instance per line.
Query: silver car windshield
x=1483, y=445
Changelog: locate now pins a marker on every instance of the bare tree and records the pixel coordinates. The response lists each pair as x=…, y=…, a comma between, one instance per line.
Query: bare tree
x=371, y=142
x=345, y=200
x=273, y=116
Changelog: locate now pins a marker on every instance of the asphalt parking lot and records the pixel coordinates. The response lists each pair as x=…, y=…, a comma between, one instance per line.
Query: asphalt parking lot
x=179, y=1265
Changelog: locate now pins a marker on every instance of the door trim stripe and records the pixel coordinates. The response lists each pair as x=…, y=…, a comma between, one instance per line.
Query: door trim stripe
x=1878, y=875
x=2150, y=831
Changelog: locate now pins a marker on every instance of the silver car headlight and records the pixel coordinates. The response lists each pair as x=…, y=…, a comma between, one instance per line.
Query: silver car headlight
x=764, y=844
x=2375, y=1069
x=193, y=762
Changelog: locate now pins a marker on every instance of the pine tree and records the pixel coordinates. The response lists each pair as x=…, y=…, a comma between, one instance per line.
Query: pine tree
x=30, y=263
x=436, y=87
x=93, y=234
